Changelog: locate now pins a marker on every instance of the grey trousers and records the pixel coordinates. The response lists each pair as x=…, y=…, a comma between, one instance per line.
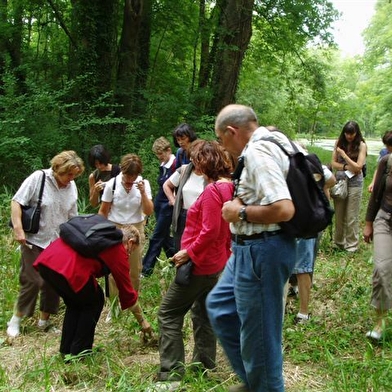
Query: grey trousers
x=175, y=305
x=382, y=272
x=347, y=213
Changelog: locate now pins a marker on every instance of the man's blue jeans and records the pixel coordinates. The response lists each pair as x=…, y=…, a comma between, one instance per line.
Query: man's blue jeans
x=246, y=309
x=160, y=238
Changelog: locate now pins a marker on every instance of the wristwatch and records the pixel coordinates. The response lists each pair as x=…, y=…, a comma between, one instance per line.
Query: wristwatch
x=242, y=214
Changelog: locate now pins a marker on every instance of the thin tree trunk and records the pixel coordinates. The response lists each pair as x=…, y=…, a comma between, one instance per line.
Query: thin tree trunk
x=128, y=56
x=233, y=37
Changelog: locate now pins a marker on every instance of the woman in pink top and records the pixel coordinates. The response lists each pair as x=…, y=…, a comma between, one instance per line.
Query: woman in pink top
x=206, y=241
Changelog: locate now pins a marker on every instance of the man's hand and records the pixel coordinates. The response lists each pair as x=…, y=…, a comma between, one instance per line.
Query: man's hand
x=231, y=209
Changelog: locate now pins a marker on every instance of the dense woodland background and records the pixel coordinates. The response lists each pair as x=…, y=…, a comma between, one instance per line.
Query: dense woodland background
x=74, y=73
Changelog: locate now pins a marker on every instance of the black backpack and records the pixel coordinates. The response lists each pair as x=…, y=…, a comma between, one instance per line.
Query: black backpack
x=305, y=181
x=89, y=235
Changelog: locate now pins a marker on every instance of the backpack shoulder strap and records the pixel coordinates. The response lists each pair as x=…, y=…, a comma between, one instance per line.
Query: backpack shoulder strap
x=272, y=140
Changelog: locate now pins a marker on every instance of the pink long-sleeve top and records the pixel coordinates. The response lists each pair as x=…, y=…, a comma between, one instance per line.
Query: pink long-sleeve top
x=207, y=237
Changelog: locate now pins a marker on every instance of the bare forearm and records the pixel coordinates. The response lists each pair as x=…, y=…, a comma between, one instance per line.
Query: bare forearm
x=280, y=211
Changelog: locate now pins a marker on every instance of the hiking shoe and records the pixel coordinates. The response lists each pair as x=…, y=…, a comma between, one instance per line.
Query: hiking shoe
x=301, y=319
x=13, y=329
x=374, y=335
x=239, y=388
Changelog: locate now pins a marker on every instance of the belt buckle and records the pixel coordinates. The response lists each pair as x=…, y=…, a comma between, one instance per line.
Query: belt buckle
x=238, y=240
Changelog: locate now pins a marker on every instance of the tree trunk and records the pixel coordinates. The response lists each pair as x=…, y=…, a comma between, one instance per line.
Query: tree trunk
x=128, y=57
x=11, y=43
x=232, y=39
x=143, y=64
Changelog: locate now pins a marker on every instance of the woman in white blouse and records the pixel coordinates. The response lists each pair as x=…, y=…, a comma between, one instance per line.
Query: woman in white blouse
x=126, y=200
x=182, y=189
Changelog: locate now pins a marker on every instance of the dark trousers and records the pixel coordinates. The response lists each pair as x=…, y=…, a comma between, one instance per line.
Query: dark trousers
x=175, y=305
x=82, y=313
x=160, y=238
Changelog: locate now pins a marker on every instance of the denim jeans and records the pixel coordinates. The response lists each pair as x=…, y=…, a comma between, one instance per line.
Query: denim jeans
x=160, y=238
x=246, y=309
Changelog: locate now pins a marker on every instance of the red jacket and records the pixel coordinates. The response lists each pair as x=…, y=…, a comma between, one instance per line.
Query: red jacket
x=77, y=270
x=207, y=237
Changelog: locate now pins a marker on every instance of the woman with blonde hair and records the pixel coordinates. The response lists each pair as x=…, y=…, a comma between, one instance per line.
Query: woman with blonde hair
x=59, y=203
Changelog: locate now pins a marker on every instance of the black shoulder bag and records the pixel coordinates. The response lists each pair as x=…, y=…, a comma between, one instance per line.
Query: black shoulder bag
x=31, y=214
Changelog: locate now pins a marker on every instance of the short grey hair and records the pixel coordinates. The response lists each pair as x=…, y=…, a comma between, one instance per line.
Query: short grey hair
x=236, y=115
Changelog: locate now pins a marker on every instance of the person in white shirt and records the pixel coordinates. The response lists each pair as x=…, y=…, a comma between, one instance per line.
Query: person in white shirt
x=59, y=203
x=182, y=189
x=126, y=200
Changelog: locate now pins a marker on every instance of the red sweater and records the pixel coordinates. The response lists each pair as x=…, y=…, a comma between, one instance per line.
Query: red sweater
x=77, y=270
x=207, y=237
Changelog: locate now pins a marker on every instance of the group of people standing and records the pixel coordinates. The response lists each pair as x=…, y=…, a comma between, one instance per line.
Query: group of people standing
x=241, y=258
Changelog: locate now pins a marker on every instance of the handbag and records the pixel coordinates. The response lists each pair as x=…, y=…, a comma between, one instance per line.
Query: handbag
x=339, y=190
x=184, y=273
x=32, y=214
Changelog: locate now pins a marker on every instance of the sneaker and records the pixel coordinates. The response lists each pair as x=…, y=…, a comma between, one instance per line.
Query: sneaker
x=374, y=335
x=239, y=388
x=43, y=325
x=13, y=329
x=46, y=326
x=301, y=319
x=164, y=386
x=54, y=330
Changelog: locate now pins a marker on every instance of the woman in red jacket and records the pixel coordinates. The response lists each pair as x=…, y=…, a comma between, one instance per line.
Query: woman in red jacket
x=74, y=278
x=206, y=241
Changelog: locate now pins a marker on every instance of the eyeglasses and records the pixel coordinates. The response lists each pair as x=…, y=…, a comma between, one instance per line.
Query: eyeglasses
x=219, y=138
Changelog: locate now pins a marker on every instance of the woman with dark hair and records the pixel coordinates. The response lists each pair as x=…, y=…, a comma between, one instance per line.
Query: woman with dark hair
x=348, y=159
x=183, y=136
x=206, y=241
x=99, y=158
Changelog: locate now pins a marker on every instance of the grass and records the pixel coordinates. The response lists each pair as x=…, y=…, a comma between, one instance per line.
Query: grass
x=330, y=353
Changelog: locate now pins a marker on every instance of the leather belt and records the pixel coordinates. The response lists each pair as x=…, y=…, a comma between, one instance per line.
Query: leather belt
x=240, y=238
